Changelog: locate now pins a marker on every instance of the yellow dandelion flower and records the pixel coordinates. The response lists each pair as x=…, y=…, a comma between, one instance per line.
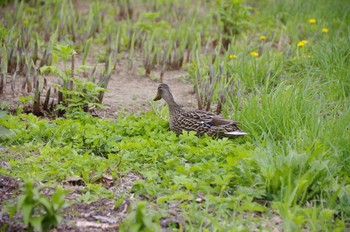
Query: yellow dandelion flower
x=301, y=44
x=325, y=30
x=304, y=41
x=312, y=21
x=262, y=37
x=254, y=54
x=233, y=57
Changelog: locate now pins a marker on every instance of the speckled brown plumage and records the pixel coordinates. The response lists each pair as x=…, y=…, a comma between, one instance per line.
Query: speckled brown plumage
x=203, y=122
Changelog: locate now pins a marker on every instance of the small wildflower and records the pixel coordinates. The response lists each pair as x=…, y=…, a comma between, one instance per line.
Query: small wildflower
x=233, y=57
x=302, y=43
x=325, y=30
x=262, y=37
x=312, y=21
x=254, y=54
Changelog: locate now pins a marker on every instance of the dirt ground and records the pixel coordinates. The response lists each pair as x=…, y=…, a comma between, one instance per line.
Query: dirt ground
x=133, y=92
x=102, y=214
x=128, y=90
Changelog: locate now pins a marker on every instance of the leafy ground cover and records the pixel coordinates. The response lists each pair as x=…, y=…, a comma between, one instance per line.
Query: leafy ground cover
x=281, y=67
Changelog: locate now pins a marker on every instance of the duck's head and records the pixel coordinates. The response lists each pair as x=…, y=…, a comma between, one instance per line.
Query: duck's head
x=163, y=92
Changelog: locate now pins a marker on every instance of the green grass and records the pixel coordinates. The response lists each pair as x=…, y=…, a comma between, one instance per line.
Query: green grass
x=294, y=102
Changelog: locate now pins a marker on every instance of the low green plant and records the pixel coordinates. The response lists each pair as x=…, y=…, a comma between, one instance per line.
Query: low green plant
x=4, y=2
x=139, y=220
x=234, y=17
x=4, y=105
x=74, y=93
x=38, y=212
x=84, y=96
x=3, y=130
x=232, y=176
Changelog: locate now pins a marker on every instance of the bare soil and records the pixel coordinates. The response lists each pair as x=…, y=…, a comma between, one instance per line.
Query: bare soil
x=127, y=91
x=132, y=92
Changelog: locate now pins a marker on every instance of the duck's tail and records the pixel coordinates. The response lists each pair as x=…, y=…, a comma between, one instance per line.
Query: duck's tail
x=235, y=133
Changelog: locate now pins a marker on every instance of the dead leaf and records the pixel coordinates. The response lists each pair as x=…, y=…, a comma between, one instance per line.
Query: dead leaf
x=105, y=219
x=97, y=225
x=107, y=176
x=200, y=200
x=107, y=180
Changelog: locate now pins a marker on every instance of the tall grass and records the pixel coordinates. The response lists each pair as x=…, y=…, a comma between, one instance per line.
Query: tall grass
x=296, y=108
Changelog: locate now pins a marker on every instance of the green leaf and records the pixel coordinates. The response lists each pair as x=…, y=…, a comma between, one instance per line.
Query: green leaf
x=63, y=51
x=58, y=218
x=4, y=131
x=2, y=113
x=57, y=199
x=54, y=70
x=45, y=202
x=36, y=222
x=26, y=211
x=231, y=161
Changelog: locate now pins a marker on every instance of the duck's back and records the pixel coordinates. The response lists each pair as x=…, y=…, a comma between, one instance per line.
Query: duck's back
x=202, y=122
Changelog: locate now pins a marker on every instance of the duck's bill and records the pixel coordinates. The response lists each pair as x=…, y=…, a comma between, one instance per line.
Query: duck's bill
x=158, y=97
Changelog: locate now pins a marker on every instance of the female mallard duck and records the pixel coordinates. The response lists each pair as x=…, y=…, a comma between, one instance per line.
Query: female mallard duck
x=203, y=122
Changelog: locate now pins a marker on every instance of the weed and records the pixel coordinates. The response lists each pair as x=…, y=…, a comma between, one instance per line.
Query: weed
x=234, y=17
x=3, y=130
x=37, y=211
x=139, y=220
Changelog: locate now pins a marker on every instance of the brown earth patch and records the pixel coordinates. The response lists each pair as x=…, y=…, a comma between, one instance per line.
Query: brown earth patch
x=127, y=90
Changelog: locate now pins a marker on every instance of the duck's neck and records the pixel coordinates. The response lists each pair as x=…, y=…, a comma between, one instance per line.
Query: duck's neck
x=174, y=108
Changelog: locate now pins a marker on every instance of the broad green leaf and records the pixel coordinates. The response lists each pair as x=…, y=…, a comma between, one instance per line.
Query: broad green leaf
x=26, y=211
x=4, y=131
x=54, y=70
x=57, y=199
x=46, y=203
x=36, y=222
x=2, y=113
x=231, y=161
x=58, y=218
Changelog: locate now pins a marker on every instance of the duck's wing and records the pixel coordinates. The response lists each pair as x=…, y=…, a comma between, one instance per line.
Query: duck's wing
x=210, y=123
x=201, y=115
x=212, y=119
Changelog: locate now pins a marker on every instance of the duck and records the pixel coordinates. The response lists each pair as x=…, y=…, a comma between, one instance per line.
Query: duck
x=202, y=122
